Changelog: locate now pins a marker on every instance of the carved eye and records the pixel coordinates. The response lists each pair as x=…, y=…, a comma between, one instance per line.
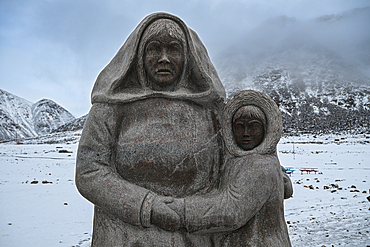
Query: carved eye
x=239, y=127
x=174, y=48
x=153, y=48
x=255, y=126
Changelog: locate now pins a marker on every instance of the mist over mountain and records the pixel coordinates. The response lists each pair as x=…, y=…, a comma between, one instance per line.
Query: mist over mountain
x=317, y=71
x=20, y=118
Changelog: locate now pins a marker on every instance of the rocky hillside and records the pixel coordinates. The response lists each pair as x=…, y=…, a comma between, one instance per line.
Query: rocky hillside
x=20, y=118
x=76, y=124
x=48, y=115
x=15, y=117
x=321, y=84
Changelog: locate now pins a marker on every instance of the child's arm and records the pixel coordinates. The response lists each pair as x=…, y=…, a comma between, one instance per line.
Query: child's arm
x=247, y=189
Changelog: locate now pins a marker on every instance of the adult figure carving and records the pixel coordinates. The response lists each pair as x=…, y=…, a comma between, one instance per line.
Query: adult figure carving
x=152, y=131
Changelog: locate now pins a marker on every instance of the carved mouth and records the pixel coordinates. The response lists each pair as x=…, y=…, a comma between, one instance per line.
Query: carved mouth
x=164, y=72
x=246, y=141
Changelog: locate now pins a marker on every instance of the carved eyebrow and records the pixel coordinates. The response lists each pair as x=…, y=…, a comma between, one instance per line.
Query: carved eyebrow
x=153, y=42
x=239, y=124
x=175, y=42
x=239, y=121
x=255, y=121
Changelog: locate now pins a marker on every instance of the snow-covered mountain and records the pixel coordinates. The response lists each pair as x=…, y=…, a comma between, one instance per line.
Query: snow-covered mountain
x=318, y=72
x=320, y=81
x=20, y=118
x=76, y=124
x=15, y=116
x=48, y=115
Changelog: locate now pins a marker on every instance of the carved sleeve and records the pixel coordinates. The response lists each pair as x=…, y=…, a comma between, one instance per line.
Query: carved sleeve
x=288, y=187
x=96, y=176
x=247, y=187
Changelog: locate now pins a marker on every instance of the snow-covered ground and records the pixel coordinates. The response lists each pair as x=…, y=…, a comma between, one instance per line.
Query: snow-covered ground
x=52, y=213
x=332, y=208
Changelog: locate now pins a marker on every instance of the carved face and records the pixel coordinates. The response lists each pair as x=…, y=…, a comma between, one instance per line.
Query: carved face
x=163, y=60
x=248, y=132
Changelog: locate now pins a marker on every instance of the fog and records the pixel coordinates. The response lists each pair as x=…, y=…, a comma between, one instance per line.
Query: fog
x=55, y=49
x=346, y=36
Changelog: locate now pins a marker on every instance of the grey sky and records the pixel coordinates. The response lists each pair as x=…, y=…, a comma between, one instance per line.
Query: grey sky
x=56, y=48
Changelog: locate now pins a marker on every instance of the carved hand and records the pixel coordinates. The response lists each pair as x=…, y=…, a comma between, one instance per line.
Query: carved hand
x=163, y=216
x=178, y=205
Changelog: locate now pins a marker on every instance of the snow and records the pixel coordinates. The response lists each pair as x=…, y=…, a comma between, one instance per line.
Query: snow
x=338, y=216
x=54, y=214
x=42, y=214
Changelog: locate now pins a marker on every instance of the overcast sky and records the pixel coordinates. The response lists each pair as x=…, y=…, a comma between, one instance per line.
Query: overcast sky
x=56, y=48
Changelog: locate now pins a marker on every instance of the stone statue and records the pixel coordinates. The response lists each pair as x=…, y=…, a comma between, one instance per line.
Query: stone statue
x=161, y=161
x=153, y=130
x=247, y=208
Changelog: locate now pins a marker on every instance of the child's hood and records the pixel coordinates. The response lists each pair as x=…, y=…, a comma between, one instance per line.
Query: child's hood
x=274, y=123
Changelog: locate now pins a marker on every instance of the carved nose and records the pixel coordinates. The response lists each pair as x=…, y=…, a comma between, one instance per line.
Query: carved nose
x=164, y=58
x=246, y=132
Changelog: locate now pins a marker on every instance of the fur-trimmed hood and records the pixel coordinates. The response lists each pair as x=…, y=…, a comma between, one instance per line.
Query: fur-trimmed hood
x=273, y=130
x=121, y=82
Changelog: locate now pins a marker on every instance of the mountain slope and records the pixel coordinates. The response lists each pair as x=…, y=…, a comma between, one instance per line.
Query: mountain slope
x=319, y=86
x=47, y=115
x=76, y=124
x=20, y=118
x=15, y=117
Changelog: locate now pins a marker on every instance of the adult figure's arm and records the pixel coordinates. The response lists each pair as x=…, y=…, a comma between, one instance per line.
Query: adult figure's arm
x=96, y=176
x=288, y=186
x=248, y=188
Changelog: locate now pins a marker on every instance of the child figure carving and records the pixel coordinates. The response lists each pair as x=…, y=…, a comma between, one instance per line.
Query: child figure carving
x=247, y=209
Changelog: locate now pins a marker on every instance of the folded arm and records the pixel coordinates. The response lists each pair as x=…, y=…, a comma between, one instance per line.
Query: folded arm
x=246, y=191
x=96, y=176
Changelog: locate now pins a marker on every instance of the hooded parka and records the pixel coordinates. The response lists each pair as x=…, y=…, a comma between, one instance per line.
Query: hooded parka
x=138, y=142
x=248, y=207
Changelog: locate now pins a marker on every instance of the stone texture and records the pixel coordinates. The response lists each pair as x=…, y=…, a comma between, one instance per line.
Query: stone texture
x=153, y=157
x=247, y=209
x=139, y=143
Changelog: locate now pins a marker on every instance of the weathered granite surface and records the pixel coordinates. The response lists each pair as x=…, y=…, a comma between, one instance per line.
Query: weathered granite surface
x=247, y=209
x=151, y=134
x=157, y=151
